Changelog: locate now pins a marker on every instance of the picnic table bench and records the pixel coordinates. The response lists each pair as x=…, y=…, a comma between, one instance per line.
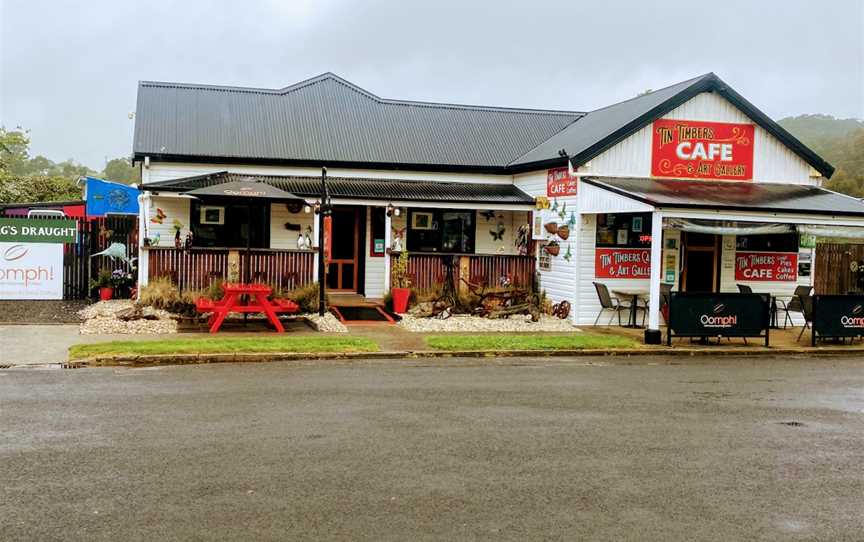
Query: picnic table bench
x=245, y=298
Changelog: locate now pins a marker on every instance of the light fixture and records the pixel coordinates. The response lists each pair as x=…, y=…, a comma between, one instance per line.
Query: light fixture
x=307, y=209
x=393, y=211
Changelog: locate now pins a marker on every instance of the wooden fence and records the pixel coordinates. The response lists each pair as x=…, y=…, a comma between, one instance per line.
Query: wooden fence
x=196, y=269
x=428, y=270
x=93, y=236
x=834, y=264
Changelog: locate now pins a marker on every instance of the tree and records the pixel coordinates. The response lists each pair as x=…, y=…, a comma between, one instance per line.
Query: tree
x=120, y=170
x=25, y=179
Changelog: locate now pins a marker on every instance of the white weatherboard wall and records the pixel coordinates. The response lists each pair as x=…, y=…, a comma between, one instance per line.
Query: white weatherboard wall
x=560, y=281
x=772, y=160
x=174, y=208
x=375, y=265
x=280, y=237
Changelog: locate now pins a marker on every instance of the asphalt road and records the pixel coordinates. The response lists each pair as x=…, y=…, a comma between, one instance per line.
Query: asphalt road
x=660, y=449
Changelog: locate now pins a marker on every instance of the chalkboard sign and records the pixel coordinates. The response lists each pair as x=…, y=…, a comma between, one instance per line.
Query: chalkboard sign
x=718, y=315
x=837, y=316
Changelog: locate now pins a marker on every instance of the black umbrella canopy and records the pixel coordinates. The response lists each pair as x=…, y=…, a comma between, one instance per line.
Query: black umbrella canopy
x=245, y=189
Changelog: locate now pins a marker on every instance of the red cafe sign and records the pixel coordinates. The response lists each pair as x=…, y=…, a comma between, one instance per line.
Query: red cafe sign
x=622, y=263
x=559, y=183
x=702, y=150
x=766, y=266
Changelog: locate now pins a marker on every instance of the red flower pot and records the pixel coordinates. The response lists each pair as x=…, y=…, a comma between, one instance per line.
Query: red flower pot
x=400, y=299
x=106, y=293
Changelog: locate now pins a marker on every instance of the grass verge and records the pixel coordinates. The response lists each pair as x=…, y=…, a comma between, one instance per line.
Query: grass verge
x=226, y=345
x=500, y=341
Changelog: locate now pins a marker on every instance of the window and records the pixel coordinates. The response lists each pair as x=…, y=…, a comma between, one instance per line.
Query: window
x=437, y=230
x=779, y=242
x=376, y=235
x=631, y=230
x=229, y=224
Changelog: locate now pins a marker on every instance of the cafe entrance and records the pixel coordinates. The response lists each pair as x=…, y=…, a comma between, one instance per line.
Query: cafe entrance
x=701, y=262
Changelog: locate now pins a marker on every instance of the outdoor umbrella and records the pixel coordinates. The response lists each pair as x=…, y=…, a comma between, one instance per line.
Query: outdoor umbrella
x=249, y=191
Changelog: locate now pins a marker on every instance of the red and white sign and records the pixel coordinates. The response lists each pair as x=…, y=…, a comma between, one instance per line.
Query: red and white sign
x=766, y=266
x=622, y=263
x=328, y=238
x=559, y=183
x=702, y=150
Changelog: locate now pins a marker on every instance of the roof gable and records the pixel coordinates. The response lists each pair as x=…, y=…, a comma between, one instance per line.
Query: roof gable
x=599, y=130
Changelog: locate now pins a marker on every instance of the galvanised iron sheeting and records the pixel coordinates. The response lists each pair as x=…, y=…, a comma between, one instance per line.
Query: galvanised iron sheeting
x=374, y=189
x=329, y=119
x=733, y=195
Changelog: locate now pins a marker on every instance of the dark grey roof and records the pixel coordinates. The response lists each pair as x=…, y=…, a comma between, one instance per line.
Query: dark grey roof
x=329, y=120
x=599, y=130
x=372, y=189
x=733, y=195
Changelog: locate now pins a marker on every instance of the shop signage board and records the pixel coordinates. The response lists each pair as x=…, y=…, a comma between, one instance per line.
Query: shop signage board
x=687, y=149
x=35, y=230
x=718, y=315
x=559, y=183
x=837, y=316
x=31, y=270
x=622, y=263
x=766, y=266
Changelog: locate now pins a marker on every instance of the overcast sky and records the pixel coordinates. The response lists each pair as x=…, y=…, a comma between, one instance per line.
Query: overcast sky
x=69, y=69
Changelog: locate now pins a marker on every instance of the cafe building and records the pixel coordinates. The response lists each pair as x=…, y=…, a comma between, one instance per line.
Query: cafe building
x=688, y=189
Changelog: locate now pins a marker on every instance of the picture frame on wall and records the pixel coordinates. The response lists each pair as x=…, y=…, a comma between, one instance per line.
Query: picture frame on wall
x=622, y=237
x=212, y=215
x=422, y=221
x=637, y=224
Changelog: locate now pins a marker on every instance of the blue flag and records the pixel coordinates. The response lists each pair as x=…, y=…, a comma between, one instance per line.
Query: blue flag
x=105, y=197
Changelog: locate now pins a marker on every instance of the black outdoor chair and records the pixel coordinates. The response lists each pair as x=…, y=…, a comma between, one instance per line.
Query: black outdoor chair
x=807, y=310
x=794, y=304
x=744, y=289
x=665, y=298
x=609, y=303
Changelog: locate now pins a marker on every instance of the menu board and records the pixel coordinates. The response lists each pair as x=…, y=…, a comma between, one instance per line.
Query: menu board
x=766, y=266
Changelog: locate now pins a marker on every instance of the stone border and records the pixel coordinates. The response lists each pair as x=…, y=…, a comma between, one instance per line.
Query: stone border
x=195, y=359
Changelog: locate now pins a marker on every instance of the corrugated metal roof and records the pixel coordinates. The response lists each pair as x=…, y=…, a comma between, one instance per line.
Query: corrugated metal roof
x=373, y=189
x=733, y=195
x=328, y=119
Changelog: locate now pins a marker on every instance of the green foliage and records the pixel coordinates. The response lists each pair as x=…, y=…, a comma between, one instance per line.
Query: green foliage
x=840, y=142
x=501, y=341
x=399, y=271
x=306, y=297
x=103, y=279
x=225, y=345
x=162, y=293
x=120, y=170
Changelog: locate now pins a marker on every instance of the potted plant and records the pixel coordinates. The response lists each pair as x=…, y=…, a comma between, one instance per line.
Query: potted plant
x=400, y=289
x=122, y=281
x=105, y=283
x=553, y=248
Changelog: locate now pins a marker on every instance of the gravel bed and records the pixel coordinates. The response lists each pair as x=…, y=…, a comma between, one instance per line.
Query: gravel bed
x=34, y=311
x=100, y=319
x=465, y=323
x=325, y=324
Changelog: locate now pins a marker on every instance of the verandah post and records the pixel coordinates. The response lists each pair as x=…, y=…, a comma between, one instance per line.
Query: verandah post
x=652, y=334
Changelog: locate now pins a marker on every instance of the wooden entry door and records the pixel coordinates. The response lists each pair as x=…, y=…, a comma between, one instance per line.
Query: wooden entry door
x=345, y=251
x=701, y=259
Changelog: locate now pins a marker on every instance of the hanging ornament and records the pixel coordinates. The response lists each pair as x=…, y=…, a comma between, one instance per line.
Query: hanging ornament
x=568, y=255
x=562, y=214
x=498, y=233
x=554, y=208
x=572, y=221
x=488, y=215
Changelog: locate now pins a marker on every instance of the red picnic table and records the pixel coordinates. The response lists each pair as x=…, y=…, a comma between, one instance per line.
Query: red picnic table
x=245, y=298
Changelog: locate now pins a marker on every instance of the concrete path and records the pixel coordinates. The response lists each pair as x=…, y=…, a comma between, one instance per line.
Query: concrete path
x=34, y=344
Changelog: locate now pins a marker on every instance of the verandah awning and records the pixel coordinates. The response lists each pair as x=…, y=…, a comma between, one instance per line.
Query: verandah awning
x=379, y=189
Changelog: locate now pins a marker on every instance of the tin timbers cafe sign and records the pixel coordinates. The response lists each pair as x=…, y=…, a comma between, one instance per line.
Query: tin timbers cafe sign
x=622, y=263
x=559, y=183
x=766, y=266
x=702, y=150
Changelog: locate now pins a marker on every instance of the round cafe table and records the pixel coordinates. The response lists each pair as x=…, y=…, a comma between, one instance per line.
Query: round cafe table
x=635, y=294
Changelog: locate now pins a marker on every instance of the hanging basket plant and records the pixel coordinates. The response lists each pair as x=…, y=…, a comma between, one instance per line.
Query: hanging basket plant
x=551, y=227
x=564, y=231
x=553, y=248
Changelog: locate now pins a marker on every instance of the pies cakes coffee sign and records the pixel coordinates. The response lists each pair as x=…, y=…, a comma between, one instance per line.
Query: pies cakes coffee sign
x=687, y=149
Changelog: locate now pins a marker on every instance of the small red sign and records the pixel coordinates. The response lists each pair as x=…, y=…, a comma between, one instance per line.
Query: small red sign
x=622, y=263
x=702, y=150
x=559, y=183
x=328, y=238
x=766, y=266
